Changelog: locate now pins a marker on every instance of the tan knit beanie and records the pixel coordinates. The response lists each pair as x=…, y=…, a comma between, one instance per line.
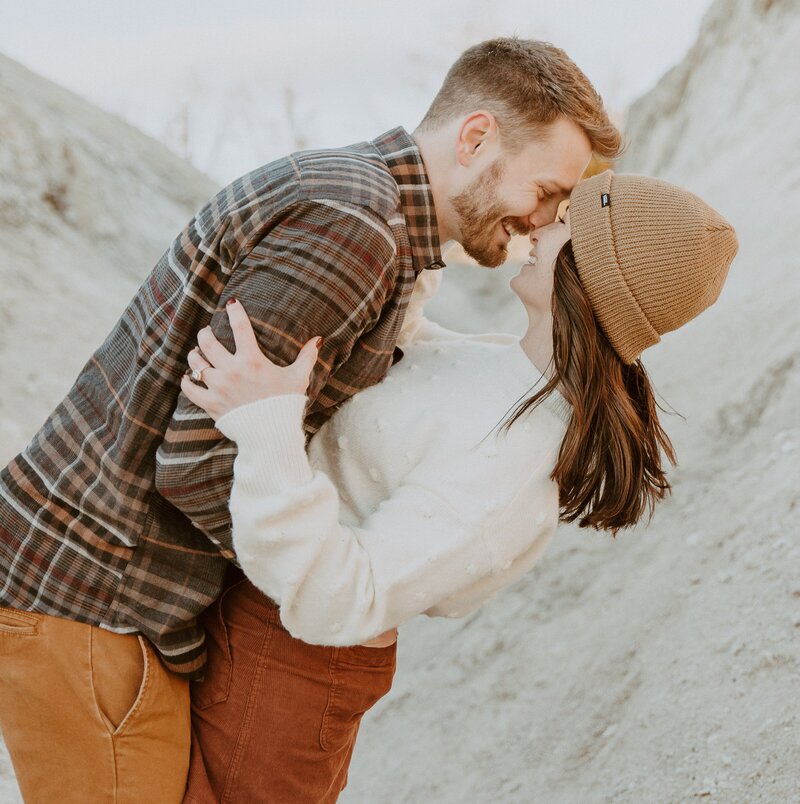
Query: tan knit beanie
x=650, y=256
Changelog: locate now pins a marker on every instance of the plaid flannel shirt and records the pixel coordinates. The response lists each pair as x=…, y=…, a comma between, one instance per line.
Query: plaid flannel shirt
x=116, y=513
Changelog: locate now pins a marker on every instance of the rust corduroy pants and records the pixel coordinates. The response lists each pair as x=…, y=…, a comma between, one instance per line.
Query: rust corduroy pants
x=276, y=719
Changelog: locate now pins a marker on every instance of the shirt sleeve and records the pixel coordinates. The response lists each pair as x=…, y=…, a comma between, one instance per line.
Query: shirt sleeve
x=322, y=270
x=440, y=532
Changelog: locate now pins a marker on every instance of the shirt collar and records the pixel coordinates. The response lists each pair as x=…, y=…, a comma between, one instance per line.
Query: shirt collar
x=404, y=161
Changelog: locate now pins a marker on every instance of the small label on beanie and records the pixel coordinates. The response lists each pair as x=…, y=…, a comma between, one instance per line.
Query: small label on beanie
x=605, y=200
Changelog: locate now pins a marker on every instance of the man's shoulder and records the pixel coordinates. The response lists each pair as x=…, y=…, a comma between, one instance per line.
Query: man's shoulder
x=355, y=178
x=356, y=175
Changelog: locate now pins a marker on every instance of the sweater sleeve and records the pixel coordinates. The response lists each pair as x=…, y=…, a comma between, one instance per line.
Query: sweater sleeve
x=342, y=584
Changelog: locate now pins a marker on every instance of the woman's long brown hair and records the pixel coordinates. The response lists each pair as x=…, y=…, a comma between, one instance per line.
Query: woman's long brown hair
x=609, y=470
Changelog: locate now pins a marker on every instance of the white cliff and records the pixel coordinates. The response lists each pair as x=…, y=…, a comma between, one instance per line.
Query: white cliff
x=662, y=666
x=87, y=205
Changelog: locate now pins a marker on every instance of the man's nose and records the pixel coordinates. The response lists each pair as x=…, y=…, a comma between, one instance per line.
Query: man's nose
x=544, y=214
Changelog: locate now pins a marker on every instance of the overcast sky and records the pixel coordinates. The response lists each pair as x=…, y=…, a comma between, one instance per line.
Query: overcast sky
x=234, y=83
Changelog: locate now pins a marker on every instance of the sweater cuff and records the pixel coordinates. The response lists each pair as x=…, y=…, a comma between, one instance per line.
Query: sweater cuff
x=270, y=439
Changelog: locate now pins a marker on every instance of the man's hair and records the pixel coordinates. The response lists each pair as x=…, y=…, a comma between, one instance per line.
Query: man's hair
x=525, y=84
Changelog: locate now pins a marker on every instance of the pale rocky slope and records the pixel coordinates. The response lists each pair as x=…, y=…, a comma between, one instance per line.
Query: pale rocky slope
x=663, y=666
x=658, y=667
x=87, y=205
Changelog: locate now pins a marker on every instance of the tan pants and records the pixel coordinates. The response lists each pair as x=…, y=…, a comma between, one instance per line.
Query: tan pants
x=89, y=716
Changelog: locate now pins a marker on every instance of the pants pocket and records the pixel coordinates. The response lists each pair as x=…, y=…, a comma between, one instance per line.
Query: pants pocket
x=216, y=684
x=120, y=666
x=16, y=630
x=360, y=677
x=18, y=623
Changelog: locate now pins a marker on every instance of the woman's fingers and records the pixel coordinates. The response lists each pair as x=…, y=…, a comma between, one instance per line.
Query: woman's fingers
x=196, y=393
x=214, y=351
x=243, y=335
x=306, y=360
x=234, y=379
x=197, y=362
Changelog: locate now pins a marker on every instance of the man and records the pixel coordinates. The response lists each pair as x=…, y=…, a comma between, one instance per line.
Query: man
x=113, y=521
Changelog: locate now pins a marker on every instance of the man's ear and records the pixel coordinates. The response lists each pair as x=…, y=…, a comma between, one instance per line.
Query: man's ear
x=476, y=136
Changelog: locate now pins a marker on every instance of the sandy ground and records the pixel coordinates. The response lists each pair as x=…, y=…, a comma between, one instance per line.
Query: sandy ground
x=662, y=666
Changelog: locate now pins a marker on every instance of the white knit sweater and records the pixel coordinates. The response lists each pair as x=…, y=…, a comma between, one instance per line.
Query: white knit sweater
x=410, y=500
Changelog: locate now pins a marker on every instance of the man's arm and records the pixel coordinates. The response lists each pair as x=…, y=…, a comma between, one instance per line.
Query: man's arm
x=323, y=270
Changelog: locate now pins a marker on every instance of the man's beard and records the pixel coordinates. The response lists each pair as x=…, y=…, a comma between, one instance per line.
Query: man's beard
x=480, y=210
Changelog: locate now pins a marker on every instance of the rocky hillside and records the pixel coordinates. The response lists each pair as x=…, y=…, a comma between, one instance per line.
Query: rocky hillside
x=663, y=666
x=87, y=204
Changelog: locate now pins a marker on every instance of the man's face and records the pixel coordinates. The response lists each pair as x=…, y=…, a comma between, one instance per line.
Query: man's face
x=516, y=193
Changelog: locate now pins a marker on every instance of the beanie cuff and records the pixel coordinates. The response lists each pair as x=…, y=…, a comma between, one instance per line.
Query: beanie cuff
x=594, y=246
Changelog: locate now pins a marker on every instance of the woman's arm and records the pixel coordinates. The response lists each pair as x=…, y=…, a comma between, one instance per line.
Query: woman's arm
x=437, y=534
x=457, y=521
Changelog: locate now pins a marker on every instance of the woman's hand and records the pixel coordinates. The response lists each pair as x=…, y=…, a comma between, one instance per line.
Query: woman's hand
x=382, y=640
x=233, y=380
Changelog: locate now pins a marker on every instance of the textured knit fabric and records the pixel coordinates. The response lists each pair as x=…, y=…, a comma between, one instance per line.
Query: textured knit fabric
x=116, y=513
x=650, y=255
x=412, y=498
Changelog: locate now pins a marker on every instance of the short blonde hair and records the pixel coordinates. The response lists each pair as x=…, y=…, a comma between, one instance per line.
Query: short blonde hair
x=526, y=84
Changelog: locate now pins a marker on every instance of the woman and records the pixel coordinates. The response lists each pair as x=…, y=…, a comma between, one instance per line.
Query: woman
x=433, y=490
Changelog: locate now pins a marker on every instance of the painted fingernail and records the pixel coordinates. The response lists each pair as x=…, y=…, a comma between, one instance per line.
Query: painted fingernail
x=232, y=300
x=320, y=341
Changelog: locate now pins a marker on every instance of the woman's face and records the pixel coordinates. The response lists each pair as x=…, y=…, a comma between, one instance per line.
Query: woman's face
x=534, y=283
